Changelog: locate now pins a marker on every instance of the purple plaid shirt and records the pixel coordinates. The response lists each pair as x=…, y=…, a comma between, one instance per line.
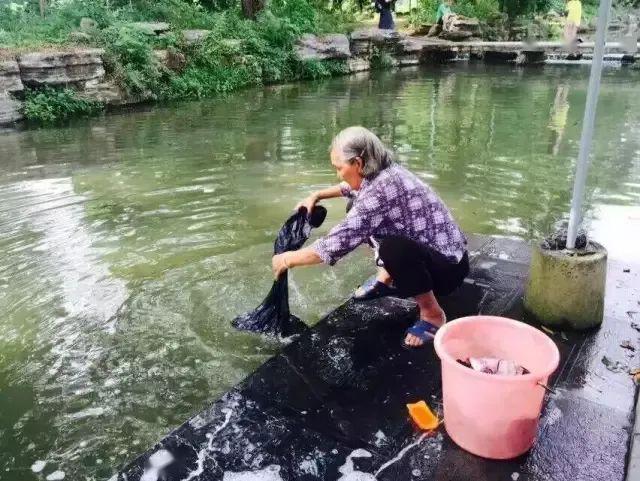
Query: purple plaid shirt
x=394, y=203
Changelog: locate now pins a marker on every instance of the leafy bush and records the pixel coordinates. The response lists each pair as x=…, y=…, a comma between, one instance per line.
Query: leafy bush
x=299, y=14
x=480, y=9
x=261, y=53
x=178, y=13
x=519, y=8
x=425, y=13
x=214, y=67
x=47, y=106
x=380, y=59
x=522, y=11
x=130, y=59
x=23, y=27
x=336, y=21
x=315, y=70
x=21, y=24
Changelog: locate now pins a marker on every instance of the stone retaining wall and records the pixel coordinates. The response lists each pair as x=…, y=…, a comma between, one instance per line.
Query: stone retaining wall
x=83, y=69
x=76, y=68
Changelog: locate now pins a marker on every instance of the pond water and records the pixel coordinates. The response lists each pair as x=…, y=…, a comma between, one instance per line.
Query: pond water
x=129, y=242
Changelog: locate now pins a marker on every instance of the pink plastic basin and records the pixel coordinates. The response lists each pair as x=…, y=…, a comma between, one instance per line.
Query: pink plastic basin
x=489, y=415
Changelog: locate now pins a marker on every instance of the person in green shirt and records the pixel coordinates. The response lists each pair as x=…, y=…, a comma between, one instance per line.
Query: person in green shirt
x=444, y=9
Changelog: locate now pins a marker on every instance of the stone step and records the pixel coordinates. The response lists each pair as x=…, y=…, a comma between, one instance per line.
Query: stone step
x=332, y=404
x=10, y=80
x=10, y=110
x=323, y=47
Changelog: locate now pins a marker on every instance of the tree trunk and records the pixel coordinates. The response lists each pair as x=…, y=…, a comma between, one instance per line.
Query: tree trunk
x=43, y=7
x=251, y=8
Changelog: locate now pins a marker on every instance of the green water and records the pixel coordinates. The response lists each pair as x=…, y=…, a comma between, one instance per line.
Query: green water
x=128, y=243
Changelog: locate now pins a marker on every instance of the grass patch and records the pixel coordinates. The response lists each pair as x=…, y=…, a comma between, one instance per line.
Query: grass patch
x=48, y=106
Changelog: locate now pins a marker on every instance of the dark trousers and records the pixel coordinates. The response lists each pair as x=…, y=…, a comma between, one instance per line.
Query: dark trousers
x=386, y=19
x=418, y=269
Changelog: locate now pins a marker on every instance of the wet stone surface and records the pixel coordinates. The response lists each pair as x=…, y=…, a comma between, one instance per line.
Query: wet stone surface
x=331, y=406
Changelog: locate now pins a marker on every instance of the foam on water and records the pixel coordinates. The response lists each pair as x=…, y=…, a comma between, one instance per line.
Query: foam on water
x=160, y=459
x=56, y=476
x=349, y=473
x=38, y=466
x=380, y=438
x=309, y=466
x=157, y=461
x=90, y=412
x=270, y=473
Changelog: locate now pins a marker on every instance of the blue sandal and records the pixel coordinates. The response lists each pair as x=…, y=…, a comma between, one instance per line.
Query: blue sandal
x=423, y=330
x=374, y=289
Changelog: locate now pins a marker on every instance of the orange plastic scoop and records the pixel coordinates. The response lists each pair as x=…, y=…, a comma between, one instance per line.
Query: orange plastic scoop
x=422, y=415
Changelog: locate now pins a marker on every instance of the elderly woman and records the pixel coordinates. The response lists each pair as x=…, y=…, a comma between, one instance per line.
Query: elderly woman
x=419, y=247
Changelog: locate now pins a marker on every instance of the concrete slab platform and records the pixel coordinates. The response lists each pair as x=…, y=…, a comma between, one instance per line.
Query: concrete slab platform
x=331, y=406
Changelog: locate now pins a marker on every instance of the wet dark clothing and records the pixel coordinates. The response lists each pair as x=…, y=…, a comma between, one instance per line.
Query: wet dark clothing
x=418, y=269
x=272, y=316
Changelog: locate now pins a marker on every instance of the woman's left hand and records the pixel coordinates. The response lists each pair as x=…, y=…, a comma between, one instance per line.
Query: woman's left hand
x=279, y=264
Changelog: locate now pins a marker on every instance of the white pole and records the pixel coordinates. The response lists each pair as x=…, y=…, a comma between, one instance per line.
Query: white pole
x=582, y=165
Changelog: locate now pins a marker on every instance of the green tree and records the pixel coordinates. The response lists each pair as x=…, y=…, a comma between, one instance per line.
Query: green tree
x=517, y=8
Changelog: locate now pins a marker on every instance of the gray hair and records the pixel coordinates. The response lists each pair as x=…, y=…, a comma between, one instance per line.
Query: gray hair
x=357, y=141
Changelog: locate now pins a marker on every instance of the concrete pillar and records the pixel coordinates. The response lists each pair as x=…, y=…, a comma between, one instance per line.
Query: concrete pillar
x=566, y=288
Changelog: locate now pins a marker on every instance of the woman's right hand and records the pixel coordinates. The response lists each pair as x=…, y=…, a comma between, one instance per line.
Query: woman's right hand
x=308, y=203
